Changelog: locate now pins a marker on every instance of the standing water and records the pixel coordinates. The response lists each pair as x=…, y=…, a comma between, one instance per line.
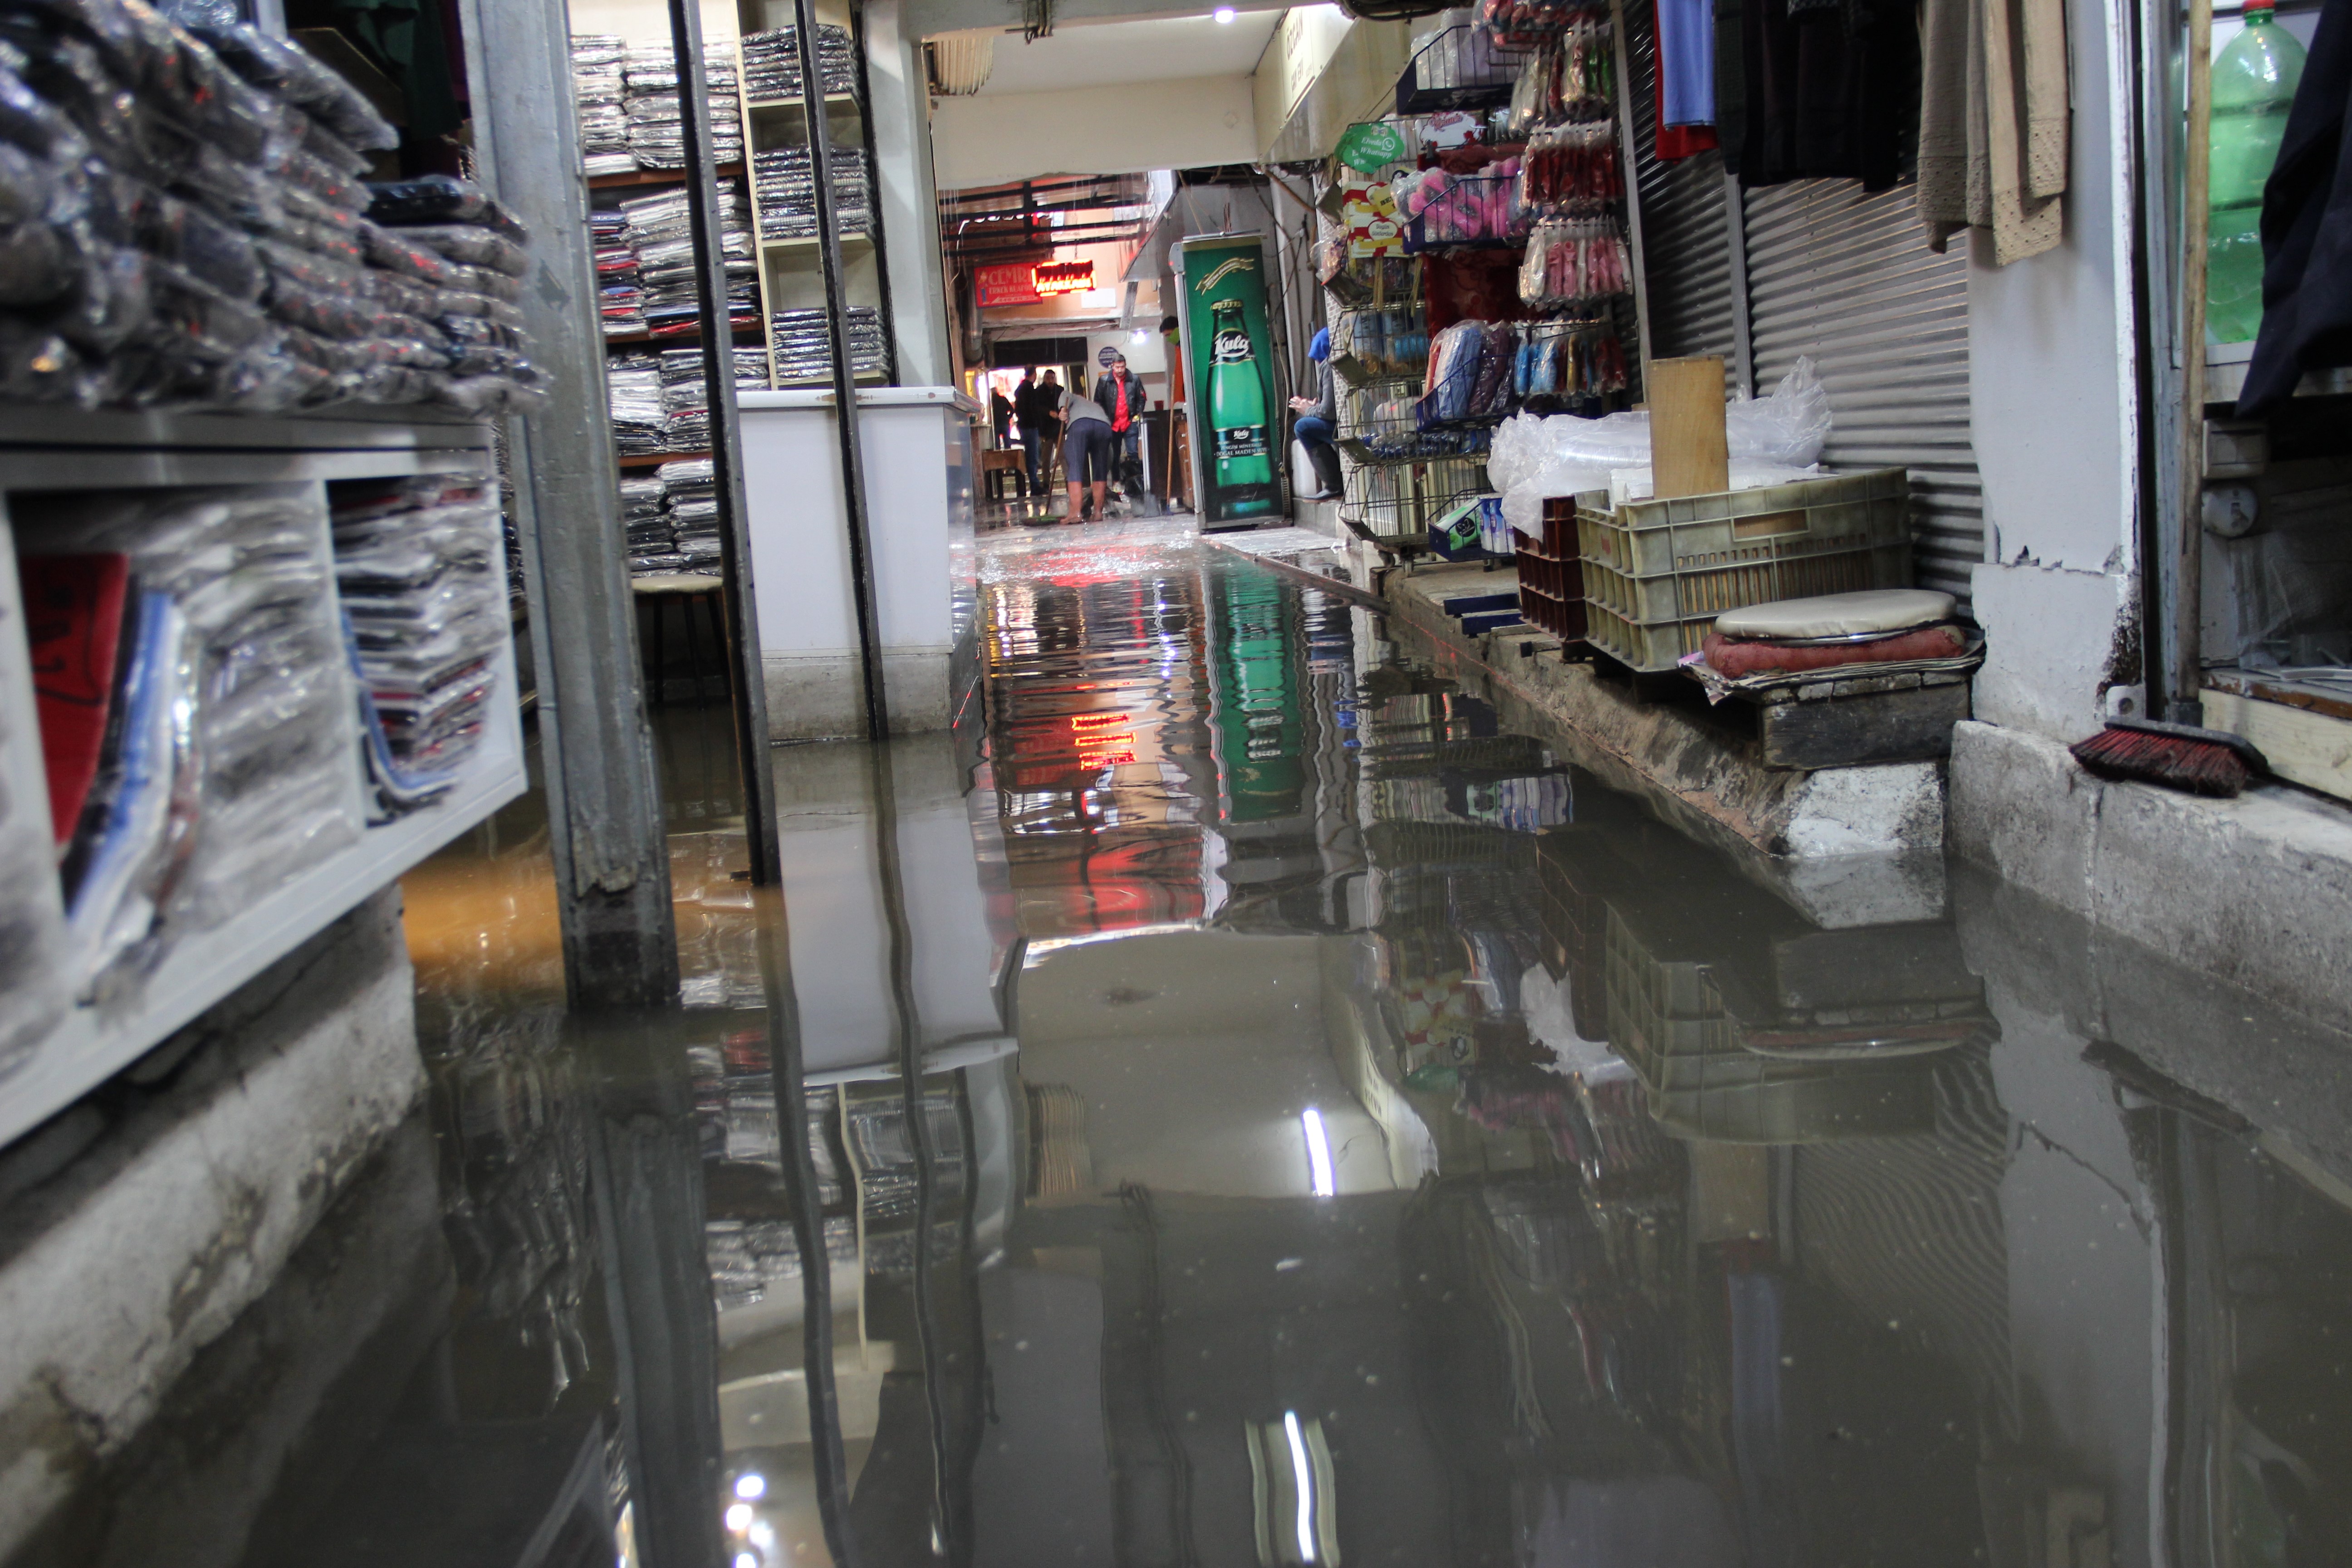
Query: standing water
x=1341, y=1130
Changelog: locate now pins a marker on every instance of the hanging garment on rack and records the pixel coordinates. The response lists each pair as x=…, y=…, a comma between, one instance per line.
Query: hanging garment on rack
x=1993, y=121
x=1575, y=259
x=2307, y=227
x=1685, y=63
x=1829, y=89
x=1572, y=169
x=1730, y=84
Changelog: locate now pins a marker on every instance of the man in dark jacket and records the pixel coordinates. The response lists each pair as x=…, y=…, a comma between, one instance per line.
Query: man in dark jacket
x=1032, y=420
x=1120, y=395
x=1000, y=416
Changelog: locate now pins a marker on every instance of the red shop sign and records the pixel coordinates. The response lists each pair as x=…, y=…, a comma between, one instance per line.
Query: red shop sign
x=1006, y=283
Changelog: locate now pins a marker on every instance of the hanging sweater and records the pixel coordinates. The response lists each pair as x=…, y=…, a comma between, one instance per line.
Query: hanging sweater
x=2307, y=227
x=1993, y=122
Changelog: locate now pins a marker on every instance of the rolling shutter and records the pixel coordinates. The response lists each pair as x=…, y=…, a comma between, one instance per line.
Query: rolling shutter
x=1686, y=256
x=1848, y=279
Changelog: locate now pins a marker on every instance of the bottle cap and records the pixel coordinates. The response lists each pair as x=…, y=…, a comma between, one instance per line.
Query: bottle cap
x=2264, y=6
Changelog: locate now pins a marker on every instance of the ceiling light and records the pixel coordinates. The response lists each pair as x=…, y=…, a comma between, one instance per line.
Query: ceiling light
x=1139, y=336
x=750, y=1486
x=1224, y=12
x=1318, y=1153
x=738, y=1517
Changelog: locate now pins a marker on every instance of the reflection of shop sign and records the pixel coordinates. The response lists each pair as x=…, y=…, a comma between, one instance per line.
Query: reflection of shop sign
x=1006, y=283
x=1064, y=277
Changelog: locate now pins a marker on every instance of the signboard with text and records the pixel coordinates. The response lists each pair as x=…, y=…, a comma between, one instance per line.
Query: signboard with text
x=1235, y=421
x=1006, y=283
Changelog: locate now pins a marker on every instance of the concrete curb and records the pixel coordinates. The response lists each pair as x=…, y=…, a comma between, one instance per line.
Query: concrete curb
x=2257, y=891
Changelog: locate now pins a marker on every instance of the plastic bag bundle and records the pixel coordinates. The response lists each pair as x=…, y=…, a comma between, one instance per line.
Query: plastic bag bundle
x=1570, y=76
x=1470, y=374
x=1523, y=23
x=1391, y=340
x=1535, y=459
x=805, y=345
x=1446, y=209
x=1562, y=364
x=417, y=563
x=1573, y=261
x=423, y=229
x=1572, y=169
x=249, y=785
x=771, y=62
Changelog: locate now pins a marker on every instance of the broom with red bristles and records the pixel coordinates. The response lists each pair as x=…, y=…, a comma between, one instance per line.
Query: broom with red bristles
x=2181, y=756
x=2178, y=756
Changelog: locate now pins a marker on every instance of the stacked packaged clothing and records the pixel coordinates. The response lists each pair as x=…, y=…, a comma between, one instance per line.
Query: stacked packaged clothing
x=645, y=519
x=785, y=180
x=632, y=383
x=726, y=111
x=655, y=140
x=212, y=717
x=620, y=291
x=691, y=487
x=188, y=229
x=771, y=62
x=453, y=252
x=416, y=562
x=659, y=234
x=599, y=87
x=804, y=346
x=687, y=399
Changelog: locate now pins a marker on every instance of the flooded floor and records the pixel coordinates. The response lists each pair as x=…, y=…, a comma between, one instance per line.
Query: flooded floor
x=1340, y=1133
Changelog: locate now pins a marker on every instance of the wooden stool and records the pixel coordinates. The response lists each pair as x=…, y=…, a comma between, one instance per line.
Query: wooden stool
x=689, y=588
x=998, y=461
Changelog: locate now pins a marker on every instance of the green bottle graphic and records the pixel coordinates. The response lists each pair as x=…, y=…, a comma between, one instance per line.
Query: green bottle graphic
x=1236, y=401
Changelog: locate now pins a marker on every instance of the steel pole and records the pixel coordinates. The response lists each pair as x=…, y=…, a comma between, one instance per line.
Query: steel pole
x=747, y=670
x=845, y=377
x=606, y=823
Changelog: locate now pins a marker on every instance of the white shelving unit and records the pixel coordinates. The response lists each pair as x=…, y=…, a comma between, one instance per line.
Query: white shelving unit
x=792, y=274
x=44, y=449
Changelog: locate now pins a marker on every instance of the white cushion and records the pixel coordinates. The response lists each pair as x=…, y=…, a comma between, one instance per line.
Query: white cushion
x=1877, y=612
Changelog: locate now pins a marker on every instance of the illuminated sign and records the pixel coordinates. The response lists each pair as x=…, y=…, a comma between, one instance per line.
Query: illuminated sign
x=1064, y=277
x=1005, y=283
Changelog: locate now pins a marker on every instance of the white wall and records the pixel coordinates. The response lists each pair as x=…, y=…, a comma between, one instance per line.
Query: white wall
x=1126, y=129
x=647, y=21
x=2055, y=423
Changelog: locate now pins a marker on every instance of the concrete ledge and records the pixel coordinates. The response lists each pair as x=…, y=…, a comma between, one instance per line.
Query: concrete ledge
x=117, y=1270
x=2257, y=891
x=1707, y=781
x=822, y=695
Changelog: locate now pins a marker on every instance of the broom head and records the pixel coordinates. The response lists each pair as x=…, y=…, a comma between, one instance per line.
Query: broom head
x=2178, y=756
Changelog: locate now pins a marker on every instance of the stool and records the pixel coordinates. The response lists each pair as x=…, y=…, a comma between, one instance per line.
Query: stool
x=998, y=461
x=658, y=589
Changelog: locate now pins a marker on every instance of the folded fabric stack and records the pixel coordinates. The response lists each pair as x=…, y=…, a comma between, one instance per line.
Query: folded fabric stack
x=1875, y=627
x=659, y=234
x=691, y=487
x=639, y=425
x=726, y=111
x=785, y=180
x=805, y=345
x=453, y=251
x=645, y=519
x=771, y=62
x=600, y=87
x=685, y=398
x=187, y=226
x=415, y=562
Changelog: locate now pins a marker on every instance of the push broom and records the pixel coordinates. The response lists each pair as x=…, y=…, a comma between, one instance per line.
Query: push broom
x=2181, y=755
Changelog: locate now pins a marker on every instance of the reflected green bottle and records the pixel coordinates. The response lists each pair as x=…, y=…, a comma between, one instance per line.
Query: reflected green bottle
x=1236, y=401
x=2254, y=88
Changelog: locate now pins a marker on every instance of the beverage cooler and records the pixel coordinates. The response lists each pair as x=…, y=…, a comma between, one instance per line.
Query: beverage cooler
x=1229, y=354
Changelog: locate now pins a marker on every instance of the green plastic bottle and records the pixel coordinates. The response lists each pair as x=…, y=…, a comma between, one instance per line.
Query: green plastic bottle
x=2253, y=87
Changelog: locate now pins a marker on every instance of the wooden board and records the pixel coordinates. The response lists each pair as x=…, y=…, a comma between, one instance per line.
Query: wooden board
x=2302, y=745
x=1689, y=453
x=1910, y=726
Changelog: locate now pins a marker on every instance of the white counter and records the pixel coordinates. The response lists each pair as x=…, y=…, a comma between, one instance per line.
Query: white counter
x=918, y=495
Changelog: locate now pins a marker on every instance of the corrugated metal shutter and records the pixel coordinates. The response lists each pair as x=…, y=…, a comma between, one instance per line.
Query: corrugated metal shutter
x=1848, y=279
x=1684, y=230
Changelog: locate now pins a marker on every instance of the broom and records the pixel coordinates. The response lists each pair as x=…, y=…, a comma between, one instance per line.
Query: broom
x=2181, y=755
x=2178, y=756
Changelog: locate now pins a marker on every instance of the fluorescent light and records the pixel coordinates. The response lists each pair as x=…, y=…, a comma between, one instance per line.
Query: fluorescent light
x=1224, y=12
x=1319, y=1157
x=752, y=1486
x=1139, y=336
x=1301, y=1481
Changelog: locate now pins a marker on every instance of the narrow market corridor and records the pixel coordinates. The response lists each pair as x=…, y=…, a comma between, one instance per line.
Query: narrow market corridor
x=1349, y=1133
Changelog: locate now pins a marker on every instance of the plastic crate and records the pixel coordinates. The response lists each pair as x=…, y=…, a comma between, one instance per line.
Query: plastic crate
x=1552, y=577
x=1658, y=573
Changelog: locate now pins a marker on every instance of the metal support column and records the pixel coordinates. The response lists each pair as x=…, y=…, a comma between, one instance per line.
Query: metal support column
x=747, y=668
x=1735, y=253
x=603, y=788
x=845, y=375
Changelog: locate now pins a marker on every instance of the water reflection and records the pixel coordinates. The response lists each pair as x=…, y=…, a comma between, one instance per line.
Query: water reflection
x=1254, y=1108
